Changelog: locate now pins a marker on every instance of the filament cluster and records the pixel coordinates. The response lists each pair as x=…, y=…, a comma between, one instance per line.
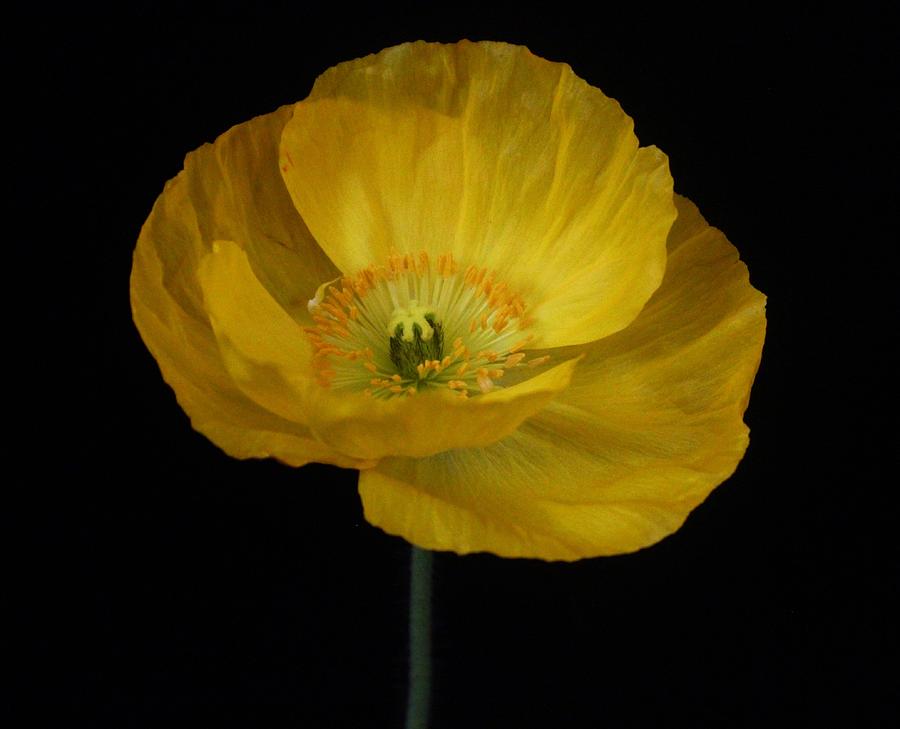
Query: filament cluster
x=371, y=327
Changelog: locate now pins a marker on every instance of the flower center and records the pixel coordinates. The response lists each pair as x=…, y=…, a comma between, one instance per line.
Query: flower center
x=384, y=331
x=415, y=338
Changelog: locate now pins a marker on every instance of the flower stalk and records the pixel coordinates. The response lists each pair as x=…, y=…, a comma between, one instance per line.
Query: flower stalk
x=419, y=697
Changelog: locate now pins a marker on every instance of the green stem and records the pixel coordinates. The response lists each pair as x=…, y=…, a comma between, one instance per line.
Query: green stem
x=419, y=639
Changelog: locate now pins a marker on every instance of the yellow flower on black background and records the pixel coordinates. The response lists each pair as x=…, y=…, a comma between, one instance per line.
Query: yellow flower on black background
x=453, y=268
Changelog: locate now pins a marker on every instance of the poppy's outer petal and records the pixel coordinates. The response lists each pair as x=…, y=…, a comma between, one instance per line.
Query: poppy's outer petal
x=506, y=160
x=238, y=194
x=264, y=350
x=433, y=421
x=167, y=302
x=650, y=425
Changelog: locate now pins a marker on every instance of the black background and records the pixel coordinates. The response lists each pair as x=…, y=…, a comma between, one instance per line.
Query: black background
x=154, y=581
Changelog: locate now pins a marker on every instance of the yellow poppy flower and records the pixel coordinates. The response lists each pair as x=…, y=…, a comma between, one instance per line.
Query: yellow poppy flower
x=453, y=268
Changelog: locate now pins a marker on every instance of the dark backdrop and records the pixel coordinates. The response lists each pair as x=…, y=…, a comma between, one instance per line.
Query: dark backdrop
x=155, y=581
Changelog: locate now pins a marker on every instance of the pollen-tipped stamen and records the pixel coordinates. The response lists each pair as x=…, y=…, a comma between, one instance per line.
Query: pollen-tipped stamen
x=384, y=330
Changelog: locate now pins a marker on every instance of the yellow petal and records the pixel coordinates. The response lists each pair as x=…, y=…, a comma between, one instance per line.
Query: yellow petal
x=506, y=160
x=651, y=423
x=237, y=194
x=264, y=350
x=167, y=303
x=432, y=421
x=698, y=342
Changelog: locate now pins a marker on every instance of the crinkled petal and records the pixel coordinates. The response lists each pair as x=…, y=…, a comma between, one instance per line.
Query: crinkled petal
x=238, y=194
x=650, y=425
x=263, y=348
x=433, y=421
x=506, y=160
x=167, y=303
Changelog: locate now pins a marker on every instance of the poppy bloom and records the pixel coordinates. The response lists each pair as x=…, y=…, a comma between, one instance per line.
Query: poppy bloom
x=453, y=268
